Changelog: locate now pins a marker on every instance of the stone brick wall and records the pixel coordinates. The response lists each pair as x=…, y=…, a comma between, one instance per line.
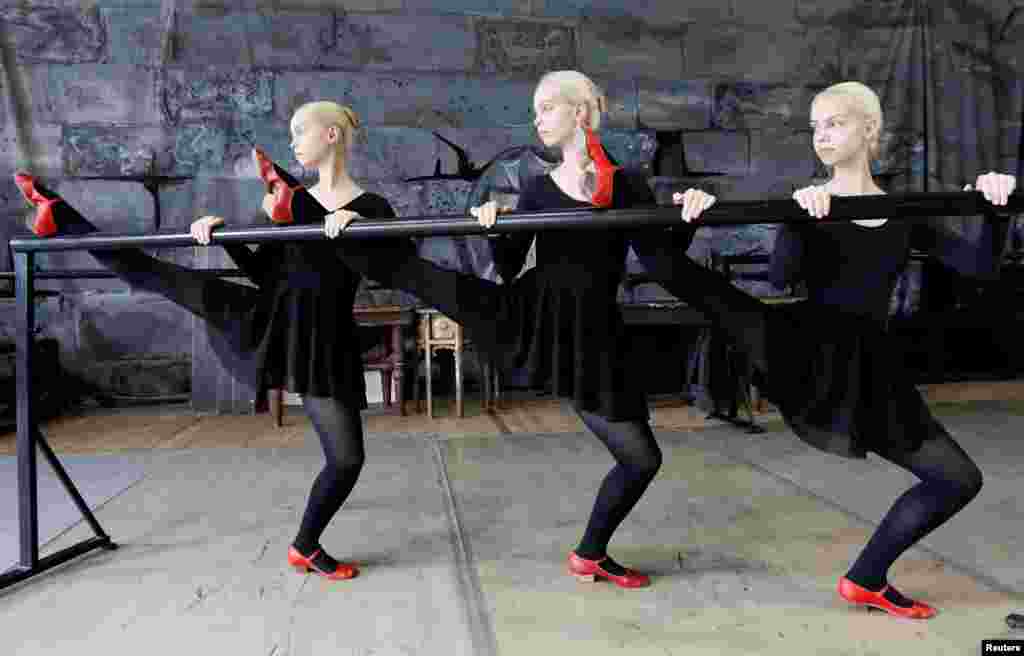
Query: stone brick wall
x=119, y=87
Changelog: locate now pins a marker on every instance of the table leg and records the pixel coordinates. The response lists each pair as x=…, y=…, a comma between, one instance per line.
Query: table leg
x=277, y=406
x=399, y=360
x=485, y=375
x=430, y=387
x=458, y=382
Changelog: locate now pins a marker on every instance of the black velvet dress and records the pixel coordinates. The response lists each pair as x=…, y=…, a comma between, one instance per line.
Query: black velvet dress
x=827, y=362
x=863, y=397
x=569, y=330
x=561, y=319
x=301, y=327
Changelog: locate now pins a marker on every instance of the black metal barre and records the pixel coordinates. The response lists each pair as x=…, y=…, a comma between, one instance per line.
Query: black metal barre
x=44, y=274
x=732, y=213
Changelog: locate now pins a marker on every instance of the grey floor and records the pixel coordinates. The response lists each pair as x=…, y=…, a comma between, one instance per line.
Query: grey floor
x=462, y=545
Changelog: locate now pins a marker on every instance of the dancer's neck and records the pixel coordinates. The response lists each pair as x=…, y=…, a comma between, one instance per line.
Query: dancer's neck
x=854, y=180
x=336, y=185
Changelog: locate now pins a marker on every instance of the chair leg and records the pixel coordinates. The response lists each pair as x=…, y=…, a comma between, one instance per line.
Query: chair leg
x=430, y=387
x=458, y=383
x=496, y=388
x=385, y=384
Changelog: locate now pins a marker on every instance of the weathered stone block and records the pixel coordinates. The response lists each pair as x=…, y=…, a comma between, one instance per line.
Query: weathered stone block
x=450, y=100
x=623, y=96
x=325, y=5
x=732, y=50
x=112, y=326
x=524, y=47
x=188, y=95
x=383, y=153
x=203, y=149
x=111, y=205
x=295, y=89
x=716, y=151
x=281, y=39
x=426, y=101
x=112, y=151
x=236, y=200
x=60, y=35
x=204, y=38
x=483, y=7
x=683, y=105
x=135, y=33
x=654, y=12
x=32, y=146
x=397, y=42
x=632, y=149
x=94, y=93
x=630, y=46
x=782, y=154
x=142, y=378
x=757, y=105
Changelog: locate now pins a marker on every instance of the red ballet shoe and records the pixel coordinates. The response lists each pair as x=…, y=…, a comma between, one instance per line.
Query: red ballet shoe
x=589, y=571
x=280, y=184
x=855, y=594
x=44, y=224
x=604, y=168
x=304, y=565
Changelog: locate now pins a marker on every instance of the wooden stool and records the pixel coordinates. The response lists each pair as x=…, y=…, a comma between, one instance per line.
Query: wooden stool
x=435, y=332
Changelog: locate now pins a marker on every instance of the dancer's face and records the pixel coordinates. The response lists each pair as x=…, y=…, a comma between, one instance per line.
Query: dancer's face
x=840, y=132
x=312, y=141
x=556, y=119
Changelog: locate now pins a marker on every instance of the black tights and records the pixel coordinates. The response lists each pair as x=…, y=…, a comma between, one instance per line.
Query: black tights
x=338, y=426
x=949, y=480
x=638, y=458
x=340, y=430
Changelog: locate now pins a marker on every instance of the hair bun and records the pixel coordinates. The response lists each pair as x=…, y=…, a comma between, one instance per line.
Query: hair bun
x=352, y=117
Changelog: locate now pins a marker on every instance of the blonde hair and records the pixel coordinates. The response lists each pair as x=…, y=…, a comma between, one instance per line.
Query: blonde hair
x=861, y=99
x=578, y=89
x=331, y=114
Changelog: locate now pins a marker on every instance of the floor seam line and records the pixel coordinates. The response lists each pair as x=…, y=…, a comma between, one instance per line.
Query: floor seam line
x=482, y=634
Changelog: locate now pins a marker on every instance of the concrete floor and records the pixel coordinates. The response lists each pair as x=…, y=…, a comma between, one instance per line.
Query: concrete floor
x=462, y=542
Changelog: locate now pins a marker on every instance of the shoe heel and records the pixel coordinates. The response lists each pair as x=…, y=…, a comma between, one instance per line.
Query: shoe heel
x=301, y=569
x=585, y=578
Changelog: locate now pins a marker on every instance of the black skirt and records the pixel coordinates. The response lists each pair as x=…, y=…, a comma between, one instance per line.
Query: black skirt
x=840, y=383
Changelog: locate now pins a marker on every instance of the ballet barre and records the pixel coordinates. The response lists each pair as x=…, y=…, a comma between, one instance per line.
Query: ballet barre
x=893, y=206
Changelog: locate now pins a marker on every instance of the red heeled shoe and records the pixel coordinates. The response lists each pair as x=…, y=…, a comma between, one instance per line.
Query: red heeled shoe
x=280, y=184
x=304, y=565
x=589, y=571
x=604, y=168
x=44, y=224
x=855, y=594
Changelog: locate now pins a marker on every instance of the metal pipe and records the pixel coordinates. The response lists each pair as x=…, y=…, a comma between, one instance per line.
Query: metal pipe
x=45, y=274
x=891, y=206
x=28, y=513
